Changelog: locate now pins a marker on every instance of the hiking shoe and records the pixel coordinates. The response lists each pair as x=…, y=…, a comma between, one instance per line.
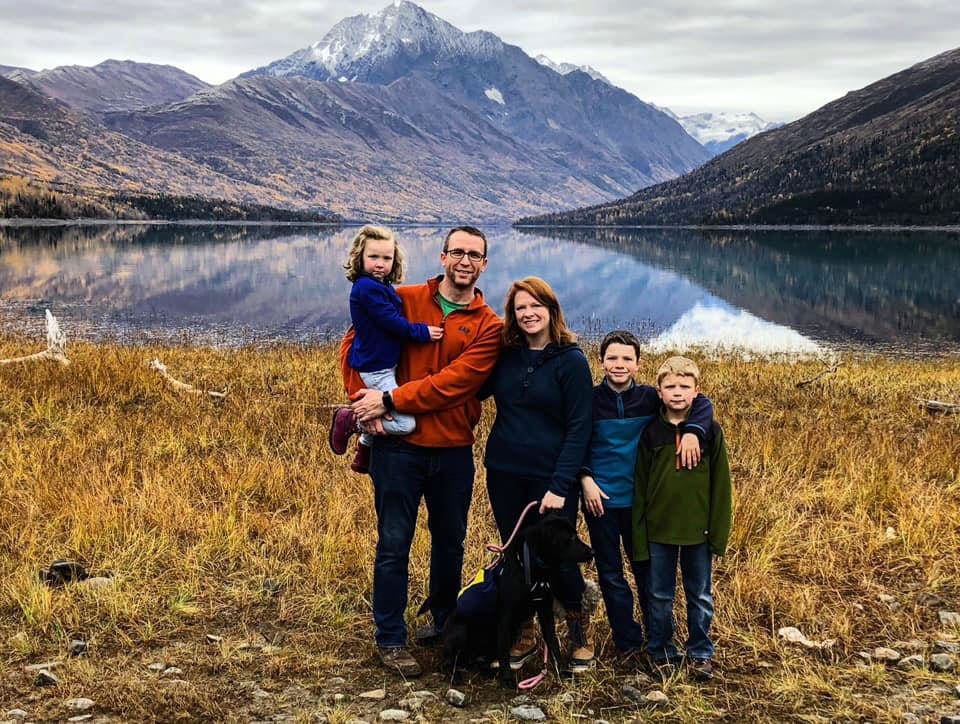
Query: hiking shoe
x=580, y=655
x=361, y=460
x=701, y=669
x=631, y=660
x=399, y=659
x=428, y=635
x=525, y=647
x=664, y=668
x=342, y=426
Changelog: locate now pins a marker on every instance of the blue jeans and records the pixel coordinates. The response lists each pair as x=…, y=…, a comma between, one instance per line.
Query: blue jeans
x=696, y=567
x=403, y=474
x=509, y=495
x=608, y=533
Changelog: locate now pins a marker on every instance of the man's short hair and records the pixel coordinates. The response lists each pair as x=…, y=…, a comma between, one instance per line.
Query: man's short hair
x=682, y=366
x=620, y=336
x=472, y=230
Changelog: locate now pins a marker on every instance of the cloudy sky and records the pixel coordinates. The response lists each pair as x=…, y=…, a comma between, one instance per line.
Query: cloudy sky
x=781, y=60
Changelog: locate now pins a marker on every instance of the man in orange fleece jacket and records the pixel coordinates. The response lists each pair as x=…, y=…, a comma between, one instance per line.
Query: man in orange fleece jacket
x=438, y=383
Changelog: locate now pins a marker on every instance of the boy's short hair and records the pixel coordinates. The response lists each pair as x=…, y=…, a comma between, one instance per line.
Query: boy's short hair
x=683, y=366
x=620, y=336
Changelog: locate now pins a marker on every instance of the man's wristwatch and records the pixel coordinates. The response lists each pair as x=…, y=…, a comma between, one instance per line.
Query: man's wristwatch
x=388, y=402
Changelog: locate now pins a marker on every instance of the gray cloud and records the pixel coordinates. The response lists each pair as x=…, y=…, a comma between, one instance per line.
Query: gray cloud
x=780, y=60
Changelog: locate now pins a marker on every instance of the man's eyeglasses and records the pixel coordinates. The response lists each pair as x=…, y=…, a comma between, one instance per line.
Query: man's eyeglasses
x=458, y=254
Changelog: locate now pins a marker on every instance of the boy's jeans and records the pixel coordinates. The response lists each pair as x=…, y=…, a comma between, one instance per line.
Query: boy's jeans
x=696, y=567
x=607, y=533
x=403, y=474
x=386, y=381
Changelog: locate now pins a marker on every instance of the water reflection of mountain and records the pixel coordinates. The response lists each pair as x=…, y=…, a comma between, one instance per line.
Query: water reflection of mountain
x=251, y=283
x=80, y=237
x=274, y=282
x=871, y=287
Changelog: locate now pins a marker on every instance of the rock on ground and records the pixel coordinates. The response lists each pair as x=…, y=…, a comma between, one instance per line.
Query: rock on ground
x=528, y=712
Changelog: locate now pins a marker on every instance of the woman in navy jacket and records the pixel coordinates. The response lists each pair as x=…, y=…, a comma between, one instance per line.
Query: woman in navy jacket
x=543, y=389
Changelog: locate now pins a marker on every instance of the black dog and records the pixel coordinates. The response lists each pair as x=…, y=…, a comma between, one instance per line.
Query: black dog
x=490, y=612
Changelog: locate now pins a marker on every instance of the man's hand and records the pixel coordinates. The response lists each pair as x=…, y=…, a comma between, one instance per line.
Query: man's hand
x=689, y=451
x=374, y=427
x=436, y=333
x=551, y=501
x=593, y=496
x=368, y=405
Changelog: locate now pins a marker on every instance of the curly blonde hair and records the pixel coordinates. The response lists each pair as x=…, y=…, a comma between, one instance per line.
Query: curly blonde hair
x=354, y=263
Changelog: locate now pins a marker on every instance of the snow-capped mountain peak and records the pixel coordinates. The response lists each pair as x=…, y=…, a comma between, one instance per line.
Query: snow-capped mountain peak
x=721, y=131
x=366, y=46
x=707, y=127
x=564, y=68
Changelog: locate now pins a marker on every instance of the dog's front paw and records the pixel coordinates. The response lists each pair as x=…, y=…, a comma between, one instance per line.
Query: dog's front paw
x=507, y=681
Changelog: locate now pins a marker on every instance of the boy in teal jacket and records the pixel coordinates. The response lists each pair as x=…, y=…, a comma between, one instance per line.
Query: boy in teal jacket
x=621, y=410
x=680, y=514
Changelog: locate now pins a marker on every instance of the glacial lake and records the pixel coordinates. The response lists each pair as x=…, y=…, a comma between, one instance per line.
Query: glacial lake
x=765, y=291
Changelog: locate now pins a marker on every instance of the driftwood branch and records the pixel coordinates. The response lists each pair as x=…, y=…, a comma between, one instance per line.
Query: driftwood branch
x=938, y=406
x=832, y=368
x=183, y=386
x=56, y=346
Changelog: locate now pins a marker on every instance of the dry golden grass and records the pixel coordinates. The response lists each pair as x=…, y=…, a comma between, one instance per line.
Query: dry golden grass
x=192, y=503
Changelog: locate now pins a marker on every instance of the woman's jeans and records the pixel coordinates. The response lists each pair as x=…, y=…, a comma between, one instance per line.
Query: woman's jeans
x=696, y=568
x=609, y=534
x=509, y=495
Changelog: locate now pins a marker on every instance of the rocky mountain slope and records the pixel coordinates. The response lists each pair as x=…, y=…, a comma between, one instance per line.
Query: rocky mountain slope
x=396, y=115
x=565, y=68
x=888, y=153
x=8, y=69
x=357, y=148
x=113, y=85
x=46, y=140
x=602, y=135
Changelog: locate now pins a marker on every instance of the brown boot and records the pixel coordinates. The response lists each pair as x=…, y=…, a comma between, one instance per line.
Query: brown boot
x=400, y=660
x=579, y=642
x=525, y=647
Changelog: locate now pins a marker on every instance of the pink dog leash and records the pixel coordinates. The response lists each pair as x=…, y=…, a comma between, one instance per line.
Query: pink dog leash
x=530, y=683
x=526, y=684
x=498, y=550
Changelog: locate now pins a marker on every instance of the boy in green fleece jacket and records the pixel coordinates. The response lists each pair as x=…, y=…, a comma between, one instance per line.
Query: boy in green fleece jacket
x=680, y=514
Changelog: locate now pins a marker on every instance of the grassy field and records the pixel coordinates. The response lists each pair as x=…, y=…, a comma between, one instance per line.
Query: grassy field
x=232, y=518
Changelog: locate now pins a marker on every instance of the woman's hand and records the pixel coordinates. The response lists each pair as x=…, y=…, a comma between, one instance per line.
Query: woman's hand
x=689, y=451
x=436, y=333
x=551, y=501
x=593, y=496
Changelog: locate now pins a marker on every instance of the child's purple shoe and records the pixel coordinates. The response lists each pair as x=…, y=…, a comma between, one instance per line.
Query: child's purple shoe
x=361, y=460
x=343, y=425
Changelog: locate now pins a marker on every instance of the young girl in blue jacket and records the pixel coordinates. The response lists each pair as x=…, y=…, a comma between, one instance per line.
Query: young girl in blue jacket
x=374, y=264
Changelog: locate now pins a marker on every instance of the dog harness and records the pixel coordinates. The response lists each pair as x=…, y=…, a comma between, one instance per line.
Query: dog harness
x=479, y=597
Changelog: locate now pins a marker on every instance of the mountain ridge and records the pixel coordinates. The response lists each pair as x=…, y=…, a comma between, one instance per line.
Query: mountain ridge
x=112, y=85
x=887, y=153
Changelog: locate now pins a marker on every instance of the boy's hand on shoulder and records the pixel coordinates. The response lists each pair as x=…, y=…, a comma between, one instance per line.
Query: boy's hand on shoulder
x=593, y=496
x=436, y=333
x=689, y=451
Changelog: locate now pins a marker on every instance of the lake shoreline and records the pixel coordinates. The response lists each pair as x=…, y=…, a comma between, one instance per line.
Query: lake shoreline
x=747, y=227
x=26, y=223
x=19, y=222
